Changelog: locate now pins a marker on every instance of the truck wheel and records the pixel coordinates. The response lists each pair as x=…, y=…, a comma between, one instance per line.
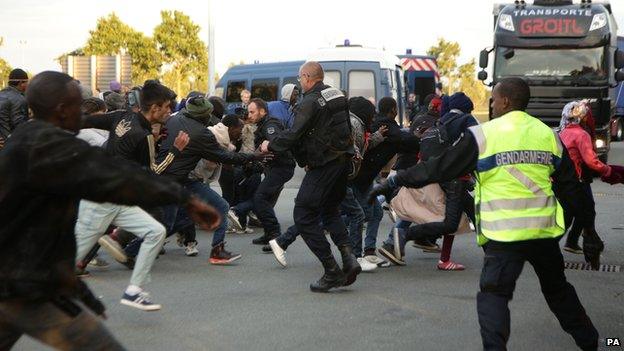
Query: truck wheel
x=619, y=130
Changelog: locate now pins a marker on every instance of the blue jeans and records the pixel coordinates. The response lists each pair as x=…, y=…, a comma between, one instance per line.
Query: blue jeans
x=353, y=215
x=211, y=197
x=401, y=224
x=374, y=215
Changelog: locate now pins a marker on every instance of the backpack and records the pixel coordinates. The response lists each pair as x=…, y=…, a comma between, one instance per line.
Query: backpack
x=436, y=139
x=330, y=138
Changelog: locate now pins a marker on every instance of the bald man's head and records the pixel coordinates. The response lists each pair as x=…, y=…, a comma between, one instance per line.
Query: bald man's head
x=310, y=73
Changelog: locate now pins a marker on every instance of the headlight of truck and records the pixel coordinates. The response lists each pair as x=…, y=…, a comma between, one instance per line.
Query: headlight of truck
x=600, y=143
x=599, y=21
x=506, y=22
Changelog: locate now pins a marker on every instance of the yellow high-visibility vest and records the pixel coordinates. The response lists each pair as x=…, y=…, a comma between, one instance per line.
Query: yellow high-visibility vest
x=514, y=197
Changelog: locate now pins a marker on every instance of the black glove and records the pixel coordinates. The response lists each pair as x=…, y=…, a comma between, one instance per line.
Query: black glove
x=592, y=247
x=384, y=188
x=262, y=157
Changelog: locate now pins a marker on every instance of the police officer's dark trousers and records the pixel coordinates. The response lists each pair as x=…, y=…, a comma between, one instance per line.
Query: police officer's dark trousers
x=320, y=194
x=274, y=179
x=502, y=266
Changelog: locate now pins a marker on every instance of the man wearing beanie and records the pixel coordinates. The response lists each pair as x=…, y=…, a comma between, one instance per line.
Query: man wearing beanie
x=13, y=106
x=283, y=109
x=194, y=119
x=115, y=102
x=115, y=86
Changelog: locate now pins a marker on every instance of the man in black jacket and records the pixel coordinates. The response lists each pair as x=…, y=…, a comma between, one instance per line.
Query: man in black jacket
x=276, y=172
x=13, y=106
x=321, y=141
x=203, y=145
x=44, y=172
x=130, y=138
x=396, y=141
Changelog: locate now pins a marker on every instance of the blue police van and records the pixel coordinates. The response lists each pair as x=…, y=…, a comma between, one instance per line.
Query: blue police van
x=358, y=71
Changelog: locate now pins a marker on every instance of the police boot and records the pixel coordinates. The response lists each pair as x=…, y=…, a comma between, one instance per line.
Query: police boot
x=265, y=238
x=350, y=266
x=332, y=278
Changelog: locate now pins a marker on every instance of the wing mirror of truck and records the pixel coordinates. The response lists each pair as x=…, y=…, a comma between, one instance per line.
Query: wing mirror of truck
x=619, y=76
x=484, y=58
x=482, y=75
x=618, y=60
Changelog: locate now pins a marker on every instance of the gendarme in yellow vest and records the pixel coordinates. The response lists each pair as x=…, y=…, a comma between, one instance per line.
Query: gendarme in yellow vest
x=514, y=197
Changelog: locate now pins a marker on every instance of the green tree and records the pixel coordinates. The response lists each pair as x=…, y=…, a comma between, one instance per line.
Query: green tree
x=472, y=87
x=111, y=37
x=458, y=77
x=446, y=54
x=184, y=55
x=5, y=69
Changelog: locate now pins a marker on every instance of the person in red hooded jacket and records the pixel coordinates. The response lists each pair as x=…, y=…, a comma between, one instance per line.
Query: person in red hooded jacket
x=578, y=141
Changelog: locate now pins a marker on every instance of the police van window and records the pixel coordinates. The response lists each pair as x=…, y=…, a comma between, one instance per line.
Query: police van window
x=362, y=83
x=266, y=89
x=233, y=91
x=290, y=80
x=332, y=78
x=218, y=92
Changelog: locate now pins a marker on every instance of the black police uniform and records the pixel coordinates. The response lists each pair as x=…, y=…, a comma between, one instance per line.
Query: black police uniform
x=276, y=173
x=320, y=139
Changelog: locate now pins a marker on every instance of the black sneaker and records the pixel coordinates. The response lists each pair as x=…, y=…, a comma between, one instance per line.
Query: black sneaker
x=387, y=251
x=426, y=245
x=267, y=249
x=573, y=248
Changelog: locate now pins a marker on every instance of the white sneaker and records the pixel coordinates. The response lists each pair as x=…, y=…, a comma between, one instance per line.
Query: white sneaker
x=244, y=231
x=376, y=260
x=366, y=266
x=233, y=218
x=278, y=252
x=191, y=249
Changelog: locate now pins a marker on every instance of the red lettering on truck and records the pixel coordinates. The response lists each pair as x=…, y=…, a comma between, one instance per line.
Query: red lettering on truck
x=551, y=26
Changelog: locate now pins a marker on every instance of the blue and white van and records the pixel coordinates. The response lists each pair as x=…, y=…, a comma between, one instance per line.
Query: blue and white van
x=358, y=71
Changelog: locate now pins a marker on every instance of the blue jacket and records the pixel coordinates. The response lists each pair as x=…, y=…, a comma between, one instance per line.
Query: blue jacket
x=282, y=111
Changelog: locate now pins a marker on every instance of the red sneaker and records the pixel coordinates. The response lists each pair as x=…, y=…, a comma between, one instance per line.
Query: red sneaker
x=450, y=266
x=219, y=255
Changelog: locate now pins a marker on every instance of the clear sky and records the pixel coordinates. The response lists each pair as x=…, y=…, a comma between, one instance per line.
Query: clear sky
x=37, y=31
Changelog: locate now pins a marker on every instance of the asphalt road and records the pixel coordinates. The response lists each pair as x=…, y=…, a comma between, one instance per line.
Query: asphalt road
x=257, y=305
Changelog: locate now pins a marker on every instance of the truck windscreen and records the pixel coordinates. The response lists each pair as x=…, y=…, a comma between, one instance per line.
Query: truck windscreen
x=569, y=66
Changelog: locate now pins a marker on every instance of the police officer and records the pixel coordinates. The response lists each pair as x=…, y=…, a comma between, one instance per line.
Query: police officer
x=514, y=158
x=321, y=141
x=276, y=172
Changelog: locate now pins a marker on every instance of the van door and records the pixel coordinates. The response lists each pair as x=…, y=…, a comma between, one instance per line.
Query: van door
x=334, y=74
x=363, y=79
x=401, y=96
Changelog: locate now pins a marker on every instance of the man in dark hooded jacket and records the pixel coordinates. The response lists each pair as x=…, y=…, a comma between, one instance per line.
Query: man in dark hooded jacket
x=456, y=123
x=202, y=145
